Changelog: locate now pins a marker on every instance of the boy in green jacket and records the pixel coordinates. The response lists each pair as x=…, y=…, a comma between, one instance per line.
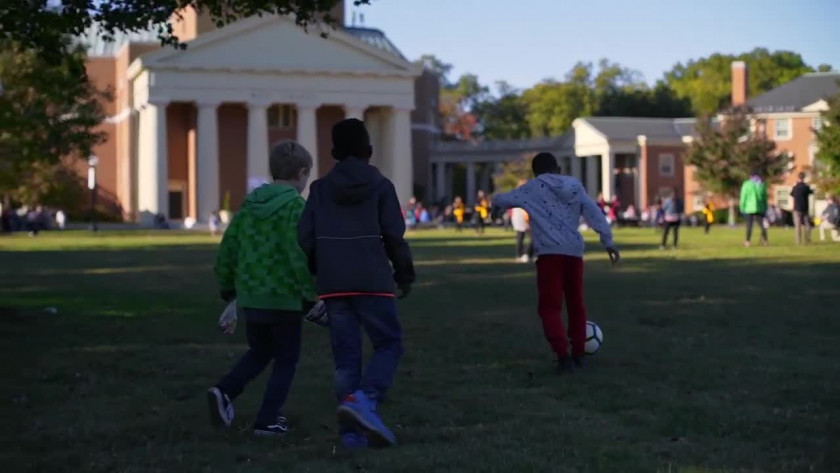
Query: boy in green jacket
x=754, y=206
x=261, y=265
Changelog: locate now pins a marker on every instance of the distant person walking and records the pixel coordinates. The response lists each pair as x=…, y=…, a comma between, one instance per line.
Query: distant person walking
x=708, y=216
x=830, y=219
x=521, y=225
x=754, y=206
x=672, y=209
x=801, y=220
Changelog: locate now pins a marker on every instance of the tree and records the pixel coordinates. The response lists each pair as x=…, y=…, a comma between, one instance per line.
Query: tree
x=441, y=69
x=48, y=112
x=42, y=25
x=511, y=172
x=828, y=153
x=504, y=117
x=706, y=82
x=725, y=153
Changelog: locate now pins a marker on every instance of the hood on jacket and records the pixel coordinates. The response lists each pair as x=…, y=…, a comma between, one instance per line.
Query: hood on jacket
x=566, y=189
x=352, y=181
x=266, y=200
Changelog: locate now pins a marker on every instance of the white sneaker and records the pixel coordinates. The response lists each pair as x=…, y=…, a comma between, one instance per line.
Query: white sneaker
x=523, y=259
x=220, y=407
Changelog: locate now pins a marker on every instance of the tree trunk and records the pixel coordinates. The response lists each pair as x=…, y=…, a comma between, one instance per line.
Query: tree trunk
x=731, y=217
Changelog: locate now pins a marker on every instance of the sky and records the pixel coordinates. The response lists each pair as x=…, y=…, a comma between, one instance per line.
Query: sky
x=525, y=41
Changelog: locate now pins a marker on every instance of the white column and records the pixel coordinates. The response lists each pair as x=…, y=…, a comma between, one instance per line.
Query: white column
x=374, y=124
x=576, y=167
x=152, y=165
x=257, y=167
x=307, y=135
x=399, y=155
x=207, y=160
x=355, y=111
x=471, y=191
x=440, y=181
x=637, y=185
x=592, y=176
x=608, y=174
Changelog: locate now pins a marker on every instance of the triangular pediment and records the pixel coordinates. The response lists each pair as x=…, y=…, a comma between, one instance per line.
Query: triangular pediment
x=277, y=44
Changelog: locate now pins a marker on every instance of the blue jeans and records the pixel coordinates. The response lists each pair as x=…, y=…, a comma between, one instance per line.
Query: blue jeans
x=278, y=341
x=378, y=316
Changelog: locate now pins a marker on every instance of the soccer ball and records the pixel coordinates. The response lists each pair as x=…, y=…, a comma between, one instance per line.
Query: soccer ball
x=594, y=338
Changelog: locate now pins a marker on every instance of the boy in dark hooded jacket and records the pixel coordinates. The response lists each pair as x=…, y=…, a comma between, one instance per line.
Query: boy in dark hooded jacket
x=352, y=232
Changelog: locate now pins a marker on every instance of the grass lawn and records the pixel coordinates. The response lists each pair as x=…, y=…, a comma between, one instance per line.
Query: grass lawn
x=716, y=358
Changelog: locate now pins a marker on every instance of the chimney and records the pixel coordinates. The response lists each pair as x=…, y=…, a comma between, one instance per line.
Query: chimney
x=337, y=13
x=192, y=24
x=740, y=83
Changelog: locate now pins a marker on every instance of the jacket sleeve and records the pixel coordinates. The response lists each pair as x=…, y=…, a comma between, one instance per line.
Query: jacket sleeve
x=306, y=231
x=299, y=262
x=228, y=256
x=509, y=199
x=596, y=219
x=743, y=203
x=392, y=227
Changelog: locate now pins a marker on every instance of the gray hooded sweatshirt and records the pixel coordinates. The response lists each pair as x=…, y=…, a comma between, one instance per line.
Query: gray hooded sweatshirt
x=555, y=204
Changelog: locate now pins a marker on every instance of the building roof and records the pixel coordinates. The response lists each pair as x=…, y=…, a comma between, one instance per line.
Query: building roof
x=797, y=94
x=93, y=40
x=375, y=38
x=629, y=128
x=96, y=45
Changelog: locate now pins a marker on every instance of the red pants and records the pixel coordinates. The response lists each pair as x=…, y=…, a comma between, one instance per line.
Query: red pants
x=558, y=275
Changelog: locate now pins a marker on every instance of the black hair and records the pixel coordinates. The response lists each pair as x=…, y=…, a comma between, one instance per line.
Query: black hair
x=351, y=138
x=544, y=163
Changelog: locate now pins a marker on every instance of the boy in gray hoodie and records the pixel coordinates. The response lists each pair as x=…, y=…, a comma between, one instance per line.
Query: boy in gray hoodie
x=555, y=204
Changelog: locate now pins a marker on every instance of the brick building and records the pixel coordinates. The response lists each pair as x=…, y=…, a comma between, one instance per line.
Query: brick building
x=186, y=128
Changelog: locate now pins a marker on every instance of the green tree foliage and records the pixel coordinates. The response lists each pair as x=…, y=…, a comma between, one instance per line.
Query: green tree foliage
x=457, y=99
x=706, y=82
x=511, y=172
x=504, y=117
x=42, y=25
x=726, y=152
x=828, y=154
x=48, y=112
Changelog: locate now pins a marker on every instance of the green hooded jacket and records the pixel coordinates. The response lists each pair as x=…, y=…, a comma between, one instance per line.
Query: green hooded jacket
x=260, y=257
x=753, y=197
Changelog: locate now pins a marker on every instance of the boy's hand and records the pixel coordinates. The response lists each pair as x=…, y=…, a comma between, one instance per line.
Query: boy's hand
x=405, y=290
x=614, y=255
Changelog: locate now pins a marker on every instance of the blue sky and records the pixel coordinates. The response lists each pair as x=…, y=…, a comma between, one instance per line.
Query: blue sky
x=525, y=41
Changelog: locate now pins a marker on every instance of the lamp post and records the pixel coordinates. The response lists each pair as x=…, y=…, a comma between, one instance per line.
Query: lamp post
x=93, y=161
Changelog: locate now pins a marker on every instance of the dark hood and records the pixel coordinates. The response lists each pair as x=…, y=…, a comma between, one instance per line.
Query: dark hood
x=352, y=181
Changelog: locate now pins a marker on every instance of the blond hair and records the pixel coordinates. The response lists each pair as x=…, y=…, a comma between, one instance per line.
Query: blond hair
x=287, y=158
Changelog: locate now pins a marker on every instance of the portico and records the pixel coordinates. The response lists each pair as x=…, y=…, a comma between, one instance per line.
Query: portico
x=203, y=119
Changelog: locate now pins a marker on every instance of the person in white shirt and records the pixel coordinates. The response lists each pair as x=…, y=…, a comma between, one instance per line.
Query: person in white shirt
x=520, y=224
x=555, y=204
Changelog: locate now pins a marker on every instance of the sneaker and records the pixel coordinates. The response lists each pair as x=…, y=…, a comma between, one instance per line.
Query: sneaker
x=357, y=410
x=565, y=366
x=219, y=407
x=278, y=429
x=747, y=244
x=523, y=259
x=579, y=361
x=353, y=441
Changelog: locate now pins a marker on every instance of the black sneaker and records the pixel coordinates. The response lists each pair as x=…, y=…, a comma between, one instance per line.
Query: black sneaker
x=580, y=362
x=565, y=366
x=277, y=429
x=219, y=407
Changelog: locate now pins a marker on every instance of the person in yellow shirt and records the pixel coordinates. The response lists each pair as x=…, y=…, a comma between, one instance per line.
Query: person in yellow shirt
x=482, y=211
x=458, y=209
x=708, y=216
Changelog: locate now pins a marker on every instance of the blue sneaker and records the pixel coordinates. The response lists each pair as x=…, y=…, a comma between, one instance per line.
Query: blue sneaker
x=353, y=441
x=357, y=410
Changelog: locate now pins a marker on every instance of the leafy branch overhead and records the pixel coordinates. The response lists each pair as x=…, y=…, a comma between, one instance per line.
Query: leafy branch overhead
x=41, y=25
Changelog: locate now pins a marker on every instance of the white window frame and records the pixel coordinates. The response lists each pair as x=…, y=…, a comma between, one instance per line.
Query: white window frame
x=789, y=135
x=663, y=158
